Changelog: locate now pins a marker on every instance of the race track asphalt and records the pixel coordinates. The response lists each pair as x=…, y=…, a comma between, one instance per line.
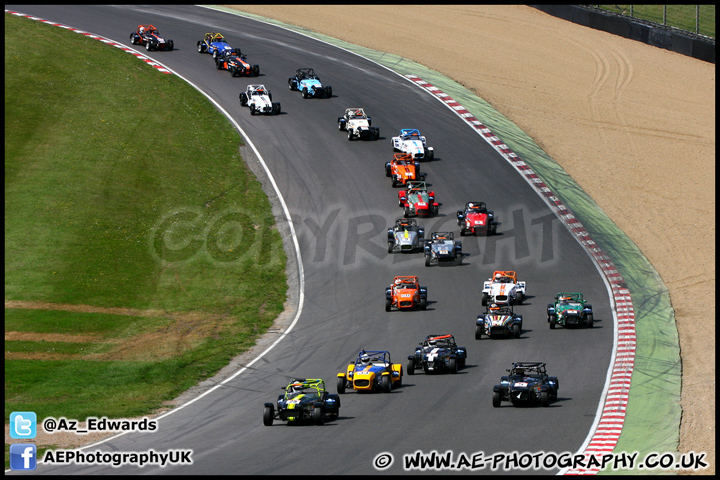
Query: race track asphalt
x=339, y=185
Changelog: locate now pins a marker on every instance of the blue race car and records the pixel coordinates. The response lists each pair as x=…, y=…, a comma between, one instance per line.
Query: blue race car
x=372, y=370
x=214, y=44
x=309, y=84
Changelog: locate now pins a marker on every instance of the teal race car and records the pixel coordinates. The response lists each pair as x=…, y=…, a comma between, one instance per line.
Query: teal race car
x=308, y=83
x=569, y=309
x=304, y=399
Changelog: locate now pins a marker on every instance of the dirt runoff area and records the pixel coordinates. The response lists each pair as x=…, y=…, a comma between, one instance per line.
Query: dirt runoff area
x=633, y=124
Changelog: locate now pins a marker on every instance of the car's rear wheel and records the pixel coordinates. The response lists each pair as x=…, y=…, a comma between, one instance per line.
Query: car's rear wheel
x=386, y=384
x=496, y=399
x=268, y=416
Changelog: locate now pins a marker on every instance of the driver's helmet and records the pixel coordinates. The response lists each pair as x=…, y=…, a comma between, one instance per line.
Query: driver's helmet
x=498, y=276
x=365, y=359
x=432, y=342
x=296, y=387
x=520, y=371
x=398, y=281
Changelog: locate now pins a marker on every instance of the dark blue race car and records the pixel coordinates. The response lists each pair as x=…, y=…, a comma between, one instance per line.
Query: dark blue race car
x=214, y=44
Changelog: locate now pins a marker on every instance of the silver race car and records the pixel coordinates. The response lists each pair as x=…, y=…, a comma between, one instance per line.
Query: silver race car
x=405, y=236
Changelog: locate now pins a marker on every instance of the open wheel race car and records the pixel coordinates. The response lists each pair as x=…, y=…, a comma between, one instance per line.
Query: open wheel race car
x=570, y=309
x=405, y=236
x=372, y=370
x=235, y=62
x=476, y=219
x=438, y=353
x=358, y=125
x=410, y=141
x=309, y=84
x=503, y=287
x=405, y=293
x=443, y=249
x=417, y=200
x=214, y=44
x=149, y=36
x=403, y=169
x=304, y=399
x=498, y=321
x=527, y=384
x=259, y=100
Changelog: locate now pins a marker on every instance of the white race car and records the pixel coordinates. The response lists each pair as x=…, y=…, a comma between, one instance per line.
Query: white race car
x=358, y=125
x=259, y=99
x=503, y=288
x=410, y=141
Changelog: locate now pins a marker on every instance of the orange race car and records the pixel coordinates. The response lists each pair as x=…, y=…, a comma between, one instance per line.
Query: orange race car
x=402, y=168
x=405, y=293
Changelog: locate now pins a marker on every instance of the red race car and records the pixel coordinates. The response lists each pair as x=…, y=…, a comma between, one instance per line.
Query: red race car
x=417, y=200
x=476, y=219
x=149, y=36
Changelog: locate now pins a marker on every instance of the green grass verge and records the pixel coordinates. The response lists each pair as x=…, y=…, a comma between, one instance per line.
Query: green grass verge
x=124, y=188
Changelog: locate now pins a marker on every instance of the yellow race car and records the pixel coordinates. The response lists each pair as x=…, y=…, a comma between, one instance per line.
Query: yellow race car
x=372, y=370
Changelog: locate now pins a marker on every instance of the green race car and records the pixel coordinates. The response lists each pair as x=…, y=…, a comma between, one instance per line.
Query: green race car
x=304, y=399
x=569, y=309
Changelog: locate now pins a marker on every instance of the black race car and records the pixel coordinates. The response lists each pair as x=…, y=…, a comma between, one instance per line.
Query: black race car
x=498, y=321
x=304, y=399
x=527, y=384
x=235, y=62
x=438, y=353
x=442, y=248
x=149, y=36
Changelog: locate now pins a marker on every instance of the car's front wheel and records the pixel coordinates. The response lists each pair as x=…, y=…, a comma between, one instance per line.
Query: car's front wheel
x=496, y=399
x=544, y=399
x=268, y=416
x=452, y=366
x=341, y=385
x=410, y=367
x=386, y=384
x=553, y=321
x=478, y=332
x=318, y=416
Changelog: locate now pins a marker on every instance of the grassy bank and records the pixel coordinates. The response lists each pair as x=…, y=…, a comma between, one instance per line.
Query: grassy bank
x=140, y=252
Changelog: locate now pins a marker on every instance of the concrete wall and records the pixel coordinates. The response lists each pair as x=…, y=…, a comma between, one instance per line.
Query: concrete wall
x=634, y=29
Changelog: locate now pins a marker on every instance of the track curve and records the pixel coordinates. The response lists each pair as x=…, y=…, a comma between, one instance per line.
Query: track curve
x=342, y=203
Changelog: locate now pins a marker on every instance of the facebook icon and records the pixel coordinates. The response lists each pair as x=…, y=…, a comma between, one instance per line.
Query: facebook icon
x=23, y=456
